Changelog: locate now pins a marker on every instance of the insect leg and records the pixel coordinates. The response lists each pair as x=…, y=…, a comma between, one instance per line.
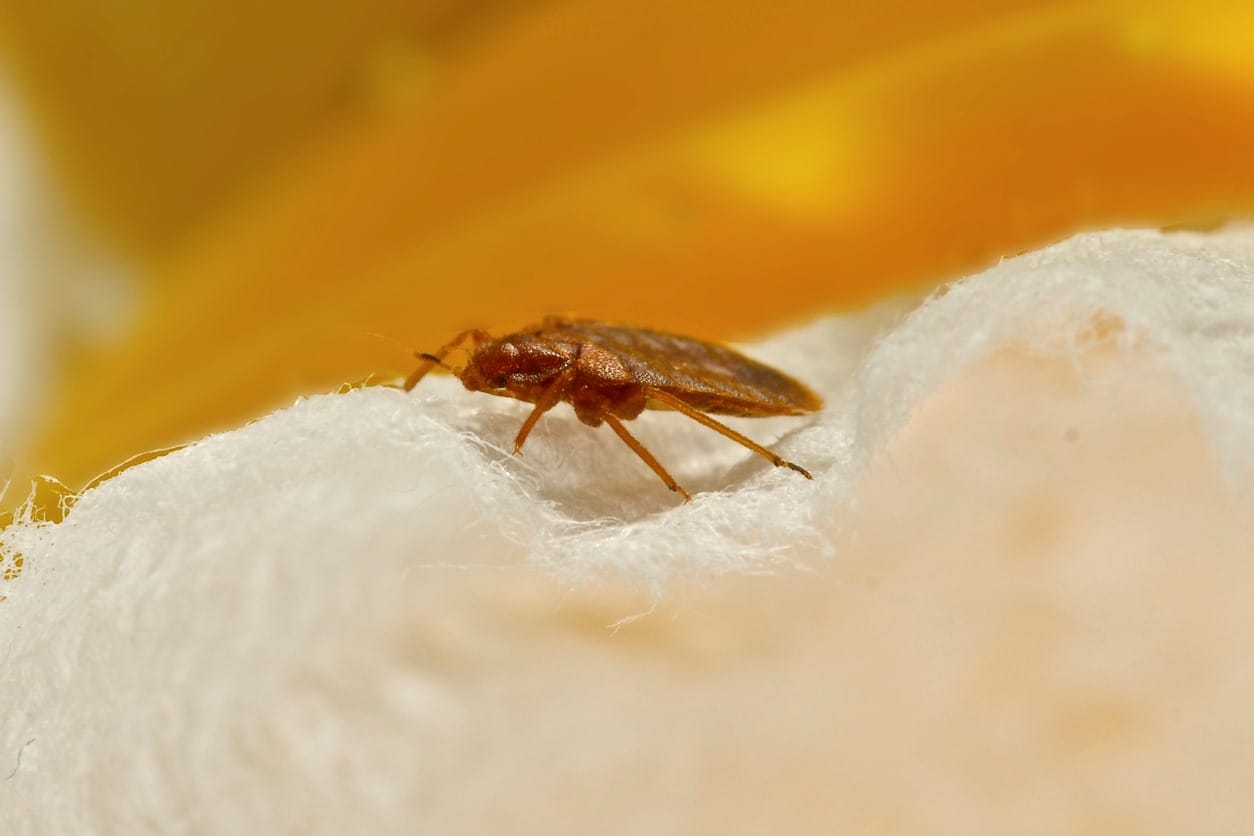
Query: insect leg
x=547, y=401
x=430, y=361
x=701, y=418
x=643, y=452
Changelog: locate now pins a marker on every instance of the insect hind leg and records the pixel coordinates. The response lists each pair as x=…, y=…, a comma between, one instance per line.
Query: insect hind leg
x=643, y=452
x=721, y=428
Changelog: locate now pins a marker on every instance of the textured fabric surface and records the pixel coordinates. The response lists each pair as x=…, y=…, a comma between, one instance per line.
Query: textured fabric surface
x=1014, y=598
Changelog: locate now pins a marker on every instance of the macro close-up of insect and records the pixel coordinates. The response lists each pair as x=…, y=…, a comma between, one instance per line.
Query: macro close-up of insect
x=611, y=372
x=345, y=350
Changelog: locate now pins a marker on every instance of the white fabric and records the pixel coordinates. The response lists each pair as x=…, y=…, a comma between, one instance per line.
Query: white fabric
x=360, y=614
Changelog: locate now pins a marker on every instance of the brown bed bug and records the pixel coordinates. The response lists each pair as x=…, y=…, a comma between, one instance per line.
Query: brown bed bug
x=610, y=373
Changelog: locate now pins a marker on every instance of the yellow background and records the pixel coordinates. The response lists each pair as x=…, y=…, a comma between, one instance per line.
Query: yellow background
x=291, y=179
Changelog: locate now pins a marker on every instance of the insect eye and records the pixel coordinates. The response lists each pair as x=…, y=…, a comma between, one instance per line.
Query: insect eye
x=499, y=381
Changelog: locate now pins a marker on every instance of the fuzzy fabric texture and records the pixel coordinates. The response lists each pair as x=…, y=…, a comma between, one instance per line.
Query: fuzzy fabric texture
x=1013, y=599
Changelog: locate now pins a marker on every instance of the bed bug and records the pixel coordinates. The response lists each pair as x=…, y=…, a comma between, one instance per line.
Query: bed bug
x=610, y=373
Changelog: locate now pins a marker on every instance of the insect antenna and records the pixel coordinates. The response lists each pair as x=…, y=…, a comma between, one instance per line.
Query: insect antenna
x=430, y=361
x=422, y=355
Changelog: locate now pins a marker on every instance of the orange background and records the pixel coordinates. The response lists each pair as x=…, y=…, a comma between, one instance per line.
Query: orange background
x=286, y=186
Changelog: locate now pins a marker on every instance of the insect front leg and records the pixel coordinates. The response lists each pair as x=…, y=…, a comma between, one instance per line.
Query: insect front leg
x=547, y=401
x=430, y=361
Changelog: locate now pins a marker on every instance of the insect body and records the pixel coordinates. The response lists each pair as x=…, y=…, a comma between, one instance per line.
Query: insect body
x=611, y=373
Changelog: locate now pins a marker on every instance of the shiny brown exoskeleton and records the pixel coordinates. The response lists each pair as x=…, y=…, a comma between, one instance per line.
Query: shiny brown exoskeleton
x=611, y=373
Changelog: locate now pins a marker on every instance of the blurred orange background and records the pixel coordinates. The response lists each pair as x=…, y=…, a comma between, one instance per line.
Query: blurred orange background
x=280, y=183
